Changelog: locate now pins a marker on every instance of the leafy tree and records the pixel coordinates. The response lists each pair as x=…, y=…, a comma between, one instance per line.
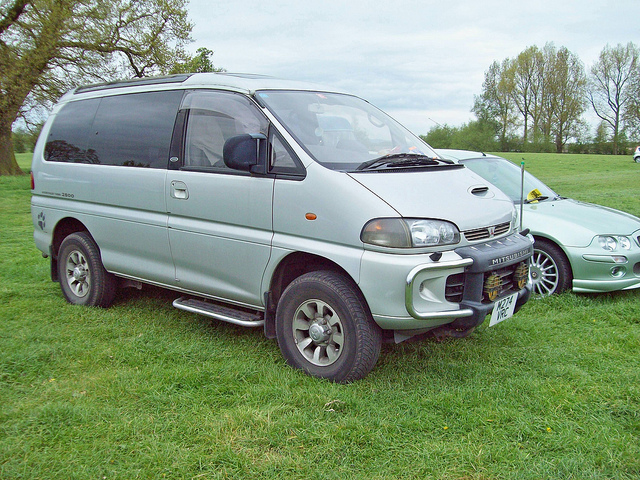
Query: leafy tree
x=49, y=46
x=200, y=63
x=611, y=87
x=565, y=100
x=631, y=115
x=528, y=87
x=476, y=135
x=494, y=105
x=440, y=136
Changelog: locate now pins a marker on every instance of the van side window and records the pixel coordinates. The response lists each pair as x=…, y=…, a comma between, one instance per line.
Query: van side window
x=68, y=139
x=213, y=118
x=127, y=130
x=135, y=130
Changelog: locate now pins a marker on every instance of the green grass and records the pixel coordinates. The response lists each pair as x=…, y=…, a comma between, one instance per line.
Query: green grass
x=24, y=161
x=142, y=390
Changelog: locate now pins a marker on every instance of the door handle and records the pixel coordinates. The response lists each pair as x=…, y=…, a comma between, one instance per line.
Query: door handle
x=179, y=190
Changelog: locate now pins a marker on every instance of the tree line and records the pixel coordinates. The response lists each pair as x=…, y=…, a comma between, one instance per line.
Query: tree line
x=537, y=102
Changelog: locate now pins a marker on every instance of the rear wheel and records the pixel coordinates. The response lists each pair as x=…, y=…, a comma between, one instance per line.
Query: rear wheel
x=324, y=327
x=550, y=269
x=83, y=278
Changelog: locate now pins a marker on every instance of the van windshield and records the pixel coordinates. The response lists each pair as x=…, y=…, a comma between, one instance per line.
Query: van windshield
x=345, y=133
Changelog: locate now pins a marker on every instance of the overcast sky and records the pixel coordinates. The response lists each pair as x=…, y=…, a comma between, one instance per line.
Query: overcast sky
x=422, y=61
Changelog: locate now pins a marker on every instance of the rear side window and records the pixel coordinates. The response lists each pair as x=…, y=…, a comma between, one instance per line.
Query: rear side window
x=126, y=130
x=68, y=139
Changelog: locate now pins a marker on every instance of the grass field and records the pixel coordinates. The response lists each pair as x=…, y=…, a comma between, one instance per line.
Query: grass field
x=142, y=390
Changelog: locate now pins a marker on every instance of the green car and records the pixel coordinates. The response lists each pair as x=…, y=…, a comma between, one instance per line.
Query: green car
x=585, y=247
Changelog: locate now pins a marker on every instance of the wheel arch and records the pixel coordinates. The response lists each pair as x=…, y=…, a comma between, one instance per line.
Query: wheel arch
x=291, y=267
x=62, y=230
x=555, y=243
x=564, y=264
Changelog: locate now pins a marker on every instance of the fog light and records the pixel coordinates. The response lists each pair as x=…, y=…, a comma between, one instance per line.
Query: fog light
x=521, y=275
x=618, y=272
x=492, y=286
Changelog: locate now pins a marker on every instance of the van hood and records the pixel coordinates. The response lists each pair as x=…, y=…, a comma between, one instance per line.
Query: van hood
x=456, y=195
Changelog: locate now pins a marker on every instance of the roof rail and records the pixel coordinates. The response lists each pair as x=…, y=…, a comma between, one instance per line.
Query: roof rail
x=133, y=82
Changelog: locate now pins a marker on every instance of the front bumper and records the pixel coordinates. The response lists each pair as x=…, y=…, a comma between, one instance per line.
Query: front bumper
x=595, y=270
x=449, y=290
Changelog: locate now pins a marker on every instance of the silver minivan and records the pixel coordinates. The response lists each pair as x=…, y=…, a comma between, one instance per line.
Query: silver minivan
x=266, y=203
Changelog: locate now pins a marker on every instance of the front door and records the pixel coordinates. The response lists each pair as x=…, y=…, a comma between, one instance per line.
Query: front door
x=220, y=222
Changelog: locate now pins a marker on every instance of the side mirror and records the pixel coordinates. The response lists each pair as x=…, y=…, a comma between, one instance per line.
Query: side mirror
x=246, y=152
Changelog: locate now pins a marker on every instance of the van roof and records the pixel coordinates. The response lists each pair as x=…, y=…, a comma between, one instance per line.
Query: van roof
x=244, y=82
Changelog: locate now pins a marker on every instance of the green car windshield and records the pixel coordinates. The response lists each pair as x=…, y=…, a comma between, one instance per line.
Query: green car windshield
x=507, y=177
x=343, y=132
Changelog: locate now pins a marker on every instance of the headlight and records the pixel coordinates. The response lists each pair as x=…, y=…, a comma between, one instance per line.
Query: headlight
x=408, y=233
x=624, y=243
x=611, y=243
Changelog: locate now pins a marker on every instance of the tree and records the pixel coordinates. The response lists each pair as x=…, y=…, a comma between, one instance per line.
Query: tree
x=565, y=101
x=199, y=63
x=50, y=46
x=611, y=86
x=495, y=105
x=476, y=135
x=631, y=115
x=527, y=78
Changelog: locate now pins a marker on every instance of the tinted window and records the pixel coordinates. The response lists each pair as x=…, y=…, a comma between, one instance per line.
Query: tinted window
x=127, y=130
x=135, y=130
x=69, y=135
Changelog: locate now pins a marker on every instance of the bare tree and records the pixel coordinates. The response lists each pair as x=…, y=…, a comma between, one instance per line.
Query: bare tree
x=49, y=46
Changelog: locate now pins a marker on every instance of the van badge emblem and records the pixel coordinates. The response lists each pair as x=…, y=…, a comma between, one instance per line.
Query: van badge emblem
x=492, y=231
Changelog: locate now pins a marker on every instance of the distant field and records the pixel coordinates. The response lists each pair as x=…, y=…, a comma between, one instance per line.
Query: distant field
x=142, y=390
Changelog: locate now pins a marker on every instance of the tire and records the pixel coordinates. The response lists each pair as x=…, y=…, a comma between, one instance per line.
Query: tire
x=550, y=269
x=324, y=327
x=83, y=278
x=636, y=159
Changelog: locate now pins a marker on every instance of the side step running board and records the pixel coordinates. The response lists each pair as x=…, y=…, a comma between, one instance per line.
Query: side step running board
x=219, y=312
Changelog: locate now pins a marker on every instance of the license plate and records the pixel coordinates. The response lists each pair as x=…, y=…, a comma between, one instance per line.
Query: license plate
x=503, y=309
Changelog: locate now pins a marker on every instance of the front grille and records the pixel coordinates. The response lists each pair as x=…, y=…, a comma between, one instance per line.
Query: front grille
x=486, y=232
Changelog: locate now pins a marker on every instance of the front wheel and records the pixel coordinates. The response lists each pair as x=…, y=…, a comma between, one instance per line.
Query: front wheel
x=324, y=327
x=550, y=269
x=83, y=278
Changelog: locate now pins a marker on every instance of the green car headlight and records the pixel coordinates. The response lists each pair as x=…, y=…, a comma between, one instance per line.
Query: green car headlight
x=611, y=243
x=409, y=233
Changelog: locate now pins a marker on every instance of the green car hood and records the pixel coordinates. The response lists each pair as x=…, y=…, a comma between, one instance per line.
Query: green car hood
x=573, y=223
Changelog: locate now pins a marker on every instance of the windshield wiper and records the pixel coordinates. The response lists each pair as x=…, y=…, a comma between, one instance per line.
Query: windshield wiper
x=399, y=160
